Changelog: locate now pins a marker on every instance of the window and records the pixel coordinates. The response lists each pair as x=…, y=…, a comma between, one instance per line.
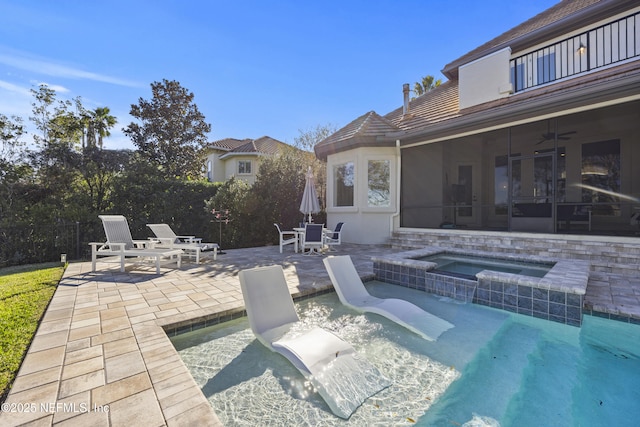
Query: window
x=209, y=170
x=546, y=68
x=378, y=183
x=343, y=178
x=244, y=167
x=601, y=176
x=517, y=75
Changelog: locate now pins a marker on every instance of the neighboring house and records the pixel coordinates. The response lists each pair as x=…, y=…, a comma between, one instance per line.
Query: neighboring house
x=537, y=130
x=239, y=157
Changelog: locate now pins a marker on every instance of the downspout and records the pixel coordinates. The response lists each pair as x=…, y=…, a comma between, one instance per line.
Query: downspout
x=396, y=214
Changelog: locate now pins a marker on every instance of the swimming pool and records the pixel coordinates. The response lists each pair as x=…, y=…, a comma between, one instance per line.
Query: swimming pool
x=468, y=266
x=492, y=366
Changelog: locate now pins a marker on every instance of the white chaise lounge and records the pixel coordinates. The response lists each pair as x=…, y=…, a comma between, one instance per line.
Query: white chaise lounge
x=352, y=293
x=191, y=245
x=343, y=378
x=120, y=246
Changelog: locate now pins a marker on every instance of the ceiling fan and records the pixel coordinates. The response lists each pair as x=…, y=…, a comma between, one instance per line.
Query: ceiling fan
x=549, y=136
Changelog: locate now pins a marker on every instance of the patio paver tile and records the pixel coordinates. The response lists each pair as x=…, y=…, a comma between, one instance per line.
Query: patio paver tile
x=137, y=409
x=124, y=365
x=120, y=389
x=81, y=383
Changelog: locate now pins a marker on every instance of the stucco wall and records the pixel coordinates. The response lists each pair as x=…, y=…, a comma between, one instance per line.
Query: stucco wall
x=363, y=224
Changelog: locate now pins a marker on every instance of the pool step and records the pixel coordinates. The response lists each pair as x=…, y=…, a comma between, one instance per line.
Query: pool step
x=490, y=381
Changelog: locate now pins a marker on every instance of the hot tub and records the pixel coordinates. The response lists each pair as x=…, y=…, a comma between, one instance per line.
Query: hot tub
x=554, y=292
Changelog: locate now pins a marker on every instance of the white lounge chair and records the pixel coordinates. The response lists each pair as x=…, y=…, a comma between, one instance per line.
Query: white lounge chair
x=120, y=246
x=342, y=377
x=287, y=238
x=191, y=245
x=352, y=293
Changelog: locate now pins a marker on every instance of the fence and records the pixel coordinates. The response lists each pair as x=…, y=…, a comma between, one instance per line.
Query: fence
x=35, y=243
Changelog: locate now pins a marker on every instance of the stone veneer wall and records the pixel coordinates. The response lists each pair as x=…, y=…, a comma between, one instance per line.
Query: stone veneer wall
x=607, y=254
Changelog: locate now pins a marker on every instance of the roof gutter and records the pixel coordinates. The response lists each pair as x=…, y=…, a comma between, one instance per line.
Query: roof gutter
x=554, y=104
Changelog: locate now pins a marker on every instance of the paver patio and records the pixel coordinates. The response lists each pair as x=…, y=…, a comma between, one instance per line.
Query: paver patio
x=101, y=355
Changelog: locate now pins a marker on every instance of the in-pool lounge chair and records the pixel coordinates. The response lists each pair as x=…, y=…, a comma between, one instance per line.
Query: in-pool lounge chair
x=343, y=378
x=191, y=245
x=352, y=293
x=120, y=246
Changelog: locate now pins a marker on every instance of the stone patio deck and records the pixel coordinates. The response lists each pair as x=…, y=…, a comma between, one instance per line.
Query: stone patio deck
x=101, y=355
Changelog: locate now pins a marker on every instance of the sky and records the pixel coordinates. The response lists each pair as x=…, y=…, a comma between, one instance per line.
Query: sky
x=256, y=68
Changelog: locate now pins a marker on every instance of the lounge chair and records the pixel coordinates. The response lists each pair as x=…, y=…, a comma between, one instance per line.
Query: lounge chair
x=352, y=293
x=343, y=378
x=313, y=239
x=287, y=238
x=334, y=238
x=120, y=246
x=191, y=245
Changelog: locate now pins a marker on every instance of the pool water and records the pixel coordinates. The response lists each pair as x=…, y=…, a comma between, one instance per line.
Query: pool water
x=492, y=368
x=468, y=265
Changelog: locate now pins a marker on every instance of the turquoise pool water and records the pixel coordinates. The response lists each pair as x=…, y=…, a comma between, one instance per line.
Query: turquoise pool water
x=492, y=368
x=469, y=266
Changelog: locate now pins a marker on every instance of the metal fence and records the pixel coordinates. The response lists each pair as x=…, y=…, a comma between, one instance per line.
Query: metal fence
x=34, y=243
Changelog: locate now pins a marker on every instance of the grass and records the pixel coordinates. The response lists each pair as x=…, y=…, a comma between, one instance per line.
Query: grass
x=25, y=292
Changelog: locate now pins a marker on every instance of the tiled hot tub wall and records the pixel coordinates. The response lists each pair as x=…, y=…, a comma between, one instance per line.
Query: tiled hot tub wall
x=558, y=296
x=556, y=305
x=421, y=279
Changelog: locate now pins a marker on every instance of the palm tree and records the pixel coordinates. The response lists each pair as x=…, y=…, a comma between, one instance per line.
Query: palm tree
x=97, y=124
x=428, y=83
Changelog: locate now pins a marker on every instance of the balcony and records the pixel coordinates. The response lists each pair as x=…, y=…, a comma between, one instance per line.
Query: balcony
x=603, y=46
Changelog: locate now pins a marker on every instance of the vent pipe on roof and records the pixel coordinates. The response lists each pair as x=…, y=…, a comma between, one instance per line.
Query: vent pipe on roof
x=405, y=92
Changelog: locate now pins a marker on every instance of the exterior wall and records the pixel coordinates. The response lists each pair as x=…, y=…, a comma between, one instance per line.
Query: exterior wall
x=364, y=224
x=218, y=166
x=231, y=168
x=486, y=79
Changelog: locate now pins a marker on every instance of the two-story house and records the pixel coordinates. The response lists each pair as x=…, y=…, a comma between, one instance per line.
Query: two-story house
x=239, y=157
x=537, y=130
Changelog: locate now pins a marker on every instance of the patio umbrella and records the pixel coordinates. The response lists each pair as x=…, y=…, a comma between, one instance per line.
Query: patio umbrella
x=309, y=203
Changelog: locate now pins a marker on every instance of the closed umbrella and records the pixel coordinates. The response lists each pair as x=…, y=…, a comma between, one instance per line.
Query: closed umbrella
x=309, y=203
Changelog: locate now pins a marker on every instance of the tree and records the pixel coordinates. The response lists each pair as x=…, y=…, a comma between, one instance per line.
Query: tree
x=12, y=162
x=96, y=126
x=171, y=131
x=307, y=140
x=428, y=83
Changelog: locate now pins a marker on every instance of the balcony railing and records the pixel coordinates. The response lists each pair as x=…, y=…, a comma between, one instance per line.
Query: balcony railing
x=608, y=44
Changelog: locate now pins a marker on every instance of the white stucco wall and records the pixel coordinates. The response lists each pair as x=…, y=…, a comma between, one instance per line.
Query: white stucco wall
x=363, y=224
x=485, y=79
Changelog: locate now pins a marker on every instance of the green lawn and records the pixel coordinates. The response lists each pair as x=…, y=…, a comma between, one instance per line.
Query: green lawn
x=25, y=292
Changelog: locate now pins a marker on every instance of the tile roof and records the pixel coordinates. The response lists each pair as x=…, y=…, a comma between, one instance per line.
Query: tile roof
x=367, y=126
x=436, y=114
x=440, y=103
x=262, y=145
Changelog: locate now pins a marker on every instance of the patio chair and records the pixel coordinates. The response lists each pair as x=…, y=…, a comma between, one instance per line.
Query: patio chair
x=342, y=377
x=190, y=245
x=335, y=238
x=121, y=246
x=313, y=239
x=287, y=238
x=353, y=294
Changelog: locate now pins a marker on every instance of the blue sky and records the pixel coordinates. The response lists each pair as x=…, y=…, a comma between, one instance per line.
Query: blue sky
x=255, y=67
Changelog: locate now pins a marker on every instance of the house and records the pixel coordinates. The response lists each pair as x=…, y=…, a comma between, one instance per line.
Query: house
x=239, y=157
x=535, y=131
